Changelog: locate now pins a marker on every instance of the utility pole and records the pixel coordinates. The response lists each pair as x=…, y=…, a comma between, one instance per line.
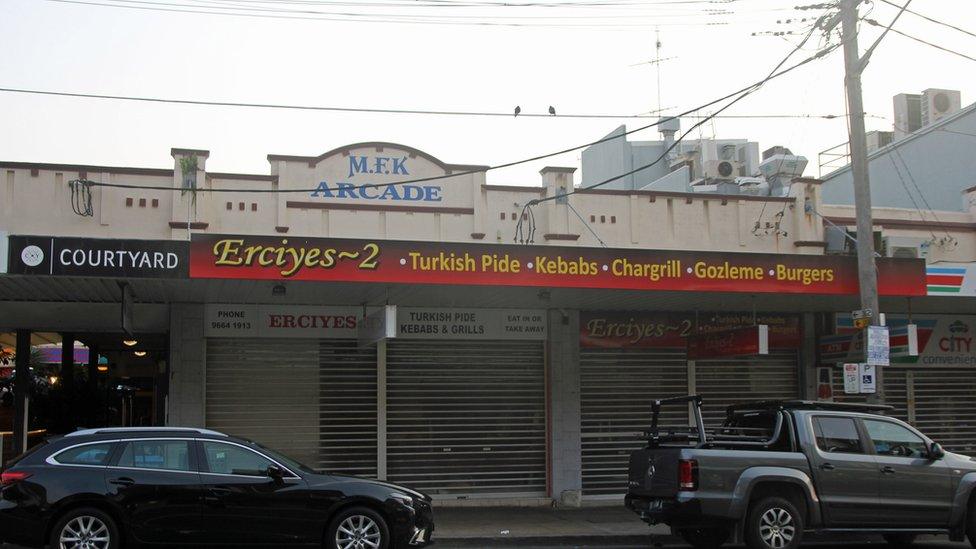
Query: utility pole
x=854, y=65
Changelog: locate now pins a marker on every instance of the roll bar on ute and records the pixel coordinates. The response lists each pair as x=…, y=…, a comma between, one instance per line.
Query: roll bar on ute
x=726, y=435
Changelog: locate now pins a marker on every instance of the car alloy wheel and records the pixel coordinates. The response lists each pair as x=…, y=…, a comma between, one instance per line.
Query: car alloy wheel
x=776, y=528
x=85, y=532
x=358, y=532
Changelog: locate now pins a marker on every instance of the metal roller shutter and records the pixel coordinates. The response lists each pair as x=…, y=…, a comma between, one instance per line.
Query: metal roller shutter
x=940, y=402
x=311, y=399
x=347, y=408
x=616, y=389
x=467, y=417
x=725, y=381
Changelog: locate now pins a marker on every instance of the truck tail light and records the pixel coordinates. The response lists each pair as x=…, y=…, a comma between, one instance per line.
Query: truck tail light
x=9, y=477
x=688, y=474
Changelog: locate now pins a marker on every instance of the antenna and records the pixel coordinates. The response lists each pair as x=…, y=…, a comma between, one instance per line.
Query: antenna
x=657, y=61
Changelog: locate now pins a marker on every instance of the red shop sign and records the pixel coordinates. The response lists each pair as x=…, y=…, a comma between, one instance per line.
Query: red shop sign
x=349, y=260
x=751, y=340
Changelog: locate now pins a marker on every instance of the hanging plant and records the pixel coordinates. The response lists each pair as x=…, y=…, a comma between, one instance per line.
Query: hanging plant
x=188, y=167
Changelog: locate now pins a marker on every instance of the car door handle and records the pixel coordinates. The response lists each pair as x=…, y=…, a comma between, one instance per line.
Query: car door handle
x=828, y=467
x=122, y=481
x=220, y=491
x=888, y=470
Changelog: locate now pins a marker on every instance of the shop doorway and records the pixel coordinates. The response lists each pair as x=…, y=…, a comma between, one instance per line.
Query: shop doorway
x=114, y=380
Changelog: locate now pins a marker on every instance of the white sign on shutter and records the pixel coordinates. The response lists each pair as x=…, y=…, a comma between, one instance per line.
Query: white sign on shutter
x=447, y=323
x=288, y=321
x=852, y=379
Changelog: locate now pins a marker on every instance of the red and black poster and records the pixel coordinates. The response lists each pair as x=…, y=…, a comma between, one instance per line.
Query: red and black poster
x=350, y=260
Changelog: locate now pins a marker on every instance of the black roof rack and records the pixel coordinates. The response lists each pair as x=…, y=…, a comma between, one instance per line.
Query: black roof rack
x=809, y=405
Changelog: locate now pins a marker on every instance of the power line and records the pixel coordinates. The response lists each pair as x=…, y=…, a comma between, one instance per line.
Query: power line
x=374, y=18
x=678, y=141
x=377, y=110
x=772, y=76
x=930, y=19
x=936, y=46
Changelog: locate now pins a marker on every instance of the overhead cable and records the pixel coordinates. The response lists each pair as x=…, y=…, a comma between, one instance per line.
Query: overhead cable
x=681, y=138
x=932, y=20
x=927, y=43
x=621, y=135
x=375, y=18
x=381, y=110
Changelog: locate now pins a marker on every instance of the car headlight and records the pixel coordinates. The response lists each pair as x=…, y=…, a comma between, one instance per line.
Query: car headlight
x=402, y=498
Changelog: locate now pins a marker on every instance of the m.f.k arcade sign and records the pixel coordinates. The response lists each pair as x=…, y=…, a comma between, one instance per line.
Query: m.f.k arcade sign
x=350, y=260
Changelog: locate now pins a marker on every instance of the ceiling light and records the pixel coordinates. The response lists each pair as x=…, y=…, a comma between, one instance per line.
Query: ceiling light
x=102, y=368
x=53, y=380
x=129, y=342
x=140, y=353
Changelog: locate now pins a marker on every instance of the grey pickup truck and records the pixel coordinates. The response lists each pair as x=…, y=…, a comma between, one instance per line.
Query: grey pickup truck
x=774, y=471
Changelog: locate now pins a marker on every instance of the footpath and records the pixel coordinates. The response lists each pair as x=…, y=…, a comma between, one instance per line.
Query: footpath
x=603, y=526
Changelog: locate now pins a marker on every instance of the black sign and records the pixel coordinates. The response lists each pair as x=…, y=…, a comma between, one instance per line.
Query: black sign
x=47, y=255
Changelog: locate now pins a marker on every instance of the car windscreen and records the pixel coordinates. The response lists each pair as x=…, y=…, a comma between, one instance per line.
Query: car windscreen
x=283, y=459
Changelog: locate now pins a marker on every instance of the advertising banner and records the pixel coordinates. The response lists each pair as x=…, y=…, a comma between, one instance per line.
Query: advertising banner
x=943, y=340
x=446, y=323
x=95, y=257
x=614, y=329
x=951, y=279
x=349, y=260
x=751, y=340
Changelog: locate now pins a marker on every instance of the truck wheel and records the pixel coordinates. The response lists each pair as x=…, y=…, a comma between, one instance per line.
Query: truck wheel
x=705, y=538
x=773, y=523
x=899, y=540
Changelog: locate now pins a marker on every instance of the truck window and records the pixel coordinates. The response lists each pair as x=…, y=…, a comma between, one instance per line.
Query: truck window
x=891, y=439
x=837, y=435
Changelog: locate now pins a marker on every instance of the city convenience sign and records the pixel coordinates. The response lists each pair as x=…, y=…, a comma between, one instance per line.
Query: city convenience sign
x=351, y=260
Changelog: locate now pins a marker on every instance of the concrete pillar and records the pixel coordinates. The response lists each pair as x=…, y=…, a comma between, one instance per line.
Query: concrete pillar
x=21, y=391
x=565, y=454
x=187, y=367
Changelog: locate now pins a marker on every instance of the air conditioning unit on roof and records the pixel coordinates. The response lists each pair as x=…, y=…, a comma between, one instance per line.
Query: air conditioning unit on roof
x=722, y=169
x=938, y=104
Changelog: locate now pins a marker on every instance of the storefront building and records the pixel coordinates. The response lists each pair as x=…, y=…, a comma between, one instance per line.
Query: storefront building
x=398, y=332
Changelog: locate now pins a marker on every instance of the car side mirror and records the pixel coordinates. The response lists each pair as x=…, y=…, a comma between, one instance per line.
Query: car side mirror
x=936, y=451
x=276, y=473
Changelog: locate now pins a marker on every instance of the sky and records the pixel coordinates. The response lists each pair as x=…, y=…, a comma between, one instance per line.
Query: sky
x=585, y=60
